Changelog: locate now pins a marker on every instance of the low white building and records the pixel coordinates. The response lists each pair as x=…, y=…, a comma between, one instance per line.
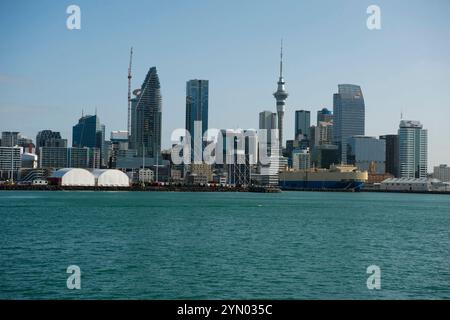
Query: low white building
x=110, y=178
x=414, y=184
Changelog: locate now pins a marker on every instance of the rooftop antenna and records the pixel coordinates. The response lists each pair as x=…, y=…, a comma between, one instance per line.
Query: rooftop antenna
x=129, y=91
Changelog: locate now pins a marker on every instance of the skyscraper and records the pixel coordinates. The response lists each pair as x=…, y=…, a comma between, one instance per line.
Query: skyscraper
x=268, y=121
x=349, y=116
x=392, y=158
x=87, y=132
x=197, y=95
x=148, y=116
x=281, y=95
x=413, y=149
x=49, y=138
x=302, y=123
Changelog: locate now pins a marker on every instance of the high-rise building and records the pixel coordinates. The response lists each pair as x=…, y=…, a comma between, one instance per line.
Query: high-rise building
x=281, y=95
x=57, y=158
x=367, y=154
x=87, y=132
x=392, y=157
x=268, y=122
x=197, y=96
x=413, y=149
x=302, y=123
x=49, y=138
x=10, y=162
x=148, y=116
x=349, y=116
x=324, y=115
x=10, y=138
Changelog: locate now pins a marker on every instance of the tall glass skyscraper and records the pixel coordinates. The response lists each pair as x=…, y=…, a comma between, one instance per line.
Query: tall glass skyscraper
x=87, y=133
x=302, y=123
x=147, y=122
x=413, y=149
x=197, y=96
x=349, y=116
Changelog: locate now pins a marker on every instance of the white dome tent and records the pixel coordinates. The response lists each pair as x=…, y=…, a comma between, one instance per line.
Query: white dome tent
x=73, y=177
x=110, y=178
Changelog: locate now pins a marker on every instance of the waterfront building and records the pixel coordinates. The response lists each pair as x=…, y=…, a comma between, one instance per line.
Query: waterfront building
x=57, y=158
x=10, y=162
x=367, y=154
x=53, y=157
x=392, y=154
x=349, y=116
x=148, y=117
x=442, y=172
x=413, y=149
x=414, y=184
x=281, y=95
x=146, y=176
x=302, y=123
x=197, y=96
x=110, y=178
x=74, y=177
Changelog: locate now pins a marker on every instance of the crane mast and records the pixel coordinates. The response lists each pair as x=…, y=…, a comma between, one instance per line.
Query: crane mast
x=129, y=92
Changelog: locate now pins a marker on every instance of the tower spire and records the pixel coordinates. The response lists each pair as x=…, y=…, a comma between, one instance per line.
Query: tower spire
x=281, y=59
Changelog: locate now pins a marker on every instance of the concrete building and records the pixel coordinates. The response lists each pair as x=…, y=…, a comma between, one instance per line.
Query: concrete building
x=10, y=138
x=10, y=162
x=49, y=138
x=325, y=155
x=367, y=154
x=301, y=160
x=442, y=173
x=413, y=149
x=146, y=176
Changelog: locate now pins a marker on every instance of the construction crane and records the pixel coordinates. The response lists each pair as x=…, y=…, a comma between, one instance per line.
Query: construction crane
x=129, y=92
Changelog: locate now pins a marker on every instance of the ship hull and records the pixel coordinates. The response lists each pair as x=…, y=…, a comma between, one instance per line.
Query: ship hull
x=322, y=185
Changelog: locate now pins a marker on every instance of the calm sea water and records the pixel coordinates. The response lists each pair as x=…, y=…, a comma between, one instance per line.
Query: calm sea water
x=294, y=245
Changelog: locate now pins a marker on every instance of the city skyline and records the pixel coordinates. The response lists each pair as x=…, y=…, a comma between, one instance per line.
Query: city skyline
x=390, y=84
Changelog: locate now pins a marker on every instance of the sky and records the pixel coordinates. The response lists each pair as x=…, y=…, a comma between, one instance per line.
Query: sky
x=49, y=74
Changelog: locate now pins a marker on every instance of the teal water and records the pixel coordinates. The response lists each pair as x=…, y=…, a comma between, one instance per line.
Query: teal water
x=293, y=245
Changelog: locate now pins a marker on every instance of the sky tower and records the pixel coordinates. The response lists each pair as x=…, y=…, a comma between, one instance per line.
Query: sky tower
x=281, y=96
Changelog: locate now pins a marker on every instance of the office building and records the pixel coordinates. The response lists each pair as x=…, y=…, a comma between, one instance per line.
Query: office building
x=302, y=124
x=10, y=162
x=349, y=116
x=367, y=154
x=268, y=122
x=197, y=96
x=325, y=155
x=413, y=149
x=301, y=160
x=392, y=154
x=10, y=138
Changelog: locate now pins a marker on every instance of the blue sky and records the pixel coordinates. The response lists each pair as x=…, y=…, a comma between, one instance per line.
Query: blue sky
x=48, y=74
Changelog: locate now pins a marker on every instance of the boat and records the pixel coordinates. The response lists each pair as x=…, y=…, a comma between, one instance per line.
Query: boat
x=337, y=178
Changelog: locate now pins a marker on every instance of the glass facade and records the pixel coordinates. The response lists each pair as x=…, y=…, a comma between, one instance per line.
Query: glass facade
x=302, y=123
x=147, y=139
x=349, y=116
x=197, y=97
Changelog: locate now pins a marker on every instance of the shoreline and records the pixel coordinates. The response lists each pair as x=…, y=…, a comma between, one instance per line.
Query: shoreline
x=178, y=188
